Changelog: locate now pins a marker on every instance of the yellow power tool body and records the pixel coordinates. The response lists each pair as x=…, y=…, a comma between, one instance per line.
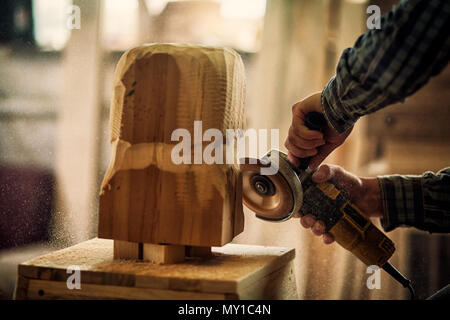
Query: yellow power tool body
x=348, y=225
x=288, y=190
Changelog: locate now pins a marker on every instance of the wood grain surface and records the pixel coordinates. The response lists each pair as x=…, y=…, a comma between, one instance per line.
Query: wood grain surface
x=232, y=271
x=145, y=197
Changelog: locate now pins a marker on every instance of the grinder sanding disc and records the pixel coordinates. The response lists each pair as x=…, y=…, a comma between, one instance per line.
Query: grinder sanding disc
x=271, y=197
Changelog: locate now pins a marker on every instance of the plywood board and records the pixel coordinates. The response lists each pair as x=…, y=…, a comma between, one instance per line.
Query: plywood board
x=232, y=271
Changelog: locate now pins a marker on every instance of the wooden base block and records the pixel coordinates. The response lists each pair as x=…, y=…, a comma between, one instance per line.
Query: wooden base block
x=163, y=253
x=230, y=272
x=194, y=251
x=157, y=253
x=127, y=250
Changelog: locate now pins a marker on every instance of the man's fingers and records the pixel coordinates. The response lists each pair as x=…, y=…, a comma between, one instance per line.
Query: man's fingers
x=328, y=238
x=301, y=141
x=298, y=152
x=318, y=228
x=307, y=221
x=297, y=215
x=299, y=129
x=323, y=173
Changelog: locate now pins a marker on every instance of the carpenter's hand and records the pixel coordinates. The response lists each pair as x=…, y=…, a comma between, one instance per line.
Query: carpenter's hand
x=302, y=142
x=363, y=192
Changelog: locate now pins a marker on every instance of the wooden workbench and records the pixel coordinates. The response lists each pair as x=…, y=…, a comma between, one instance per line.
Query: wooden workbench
x=232, y=272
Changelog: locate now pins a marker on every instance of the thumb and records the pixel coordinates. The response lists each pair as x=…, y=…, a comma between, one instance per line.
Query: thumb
x=324, y=173
x=345, y=181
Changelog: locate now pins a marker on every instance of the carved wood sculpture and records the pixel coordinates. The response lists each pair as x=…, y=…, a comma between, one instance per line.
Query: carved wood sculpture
x=145, y=198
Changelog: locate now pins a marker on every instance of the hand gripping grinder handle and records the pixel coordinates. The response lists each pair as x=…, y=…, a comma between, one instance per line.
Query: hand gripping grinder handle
x=343, y=219
x=288, y=190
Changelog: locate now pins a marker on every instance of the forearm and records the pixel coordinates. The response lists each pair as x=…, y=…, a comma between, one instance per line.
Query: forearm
x=387, y=65
x=418, y=201
x=371, y=202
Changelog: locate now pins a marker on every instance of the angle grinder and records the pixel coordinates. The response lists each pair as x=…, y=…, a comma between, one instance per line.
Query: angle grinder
x=278, y=197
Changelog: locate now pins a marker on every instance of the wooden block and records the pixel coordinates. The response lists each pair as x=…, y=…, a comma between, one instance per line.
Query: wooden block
x=51, y=290
x=231, y=272
x=156, y=253
x=163, y=253
x=127, y=250
x=195, y=251
x=146, y=197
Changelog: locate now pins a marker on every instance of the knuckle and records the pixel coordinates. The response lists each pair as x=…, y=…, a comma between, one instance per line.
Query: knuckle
x=305, y=145
x=326, y=169
x=302, y=153
x=337, y=170
x=296, y=153
x=309, y=144
x=287, y=144
x=292, y=140
x=296, y=130
x=292, y=130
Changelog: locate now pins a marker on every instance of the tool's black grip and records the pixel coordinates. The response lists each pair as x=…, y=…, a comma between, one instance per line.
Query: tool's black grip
x=313, y=121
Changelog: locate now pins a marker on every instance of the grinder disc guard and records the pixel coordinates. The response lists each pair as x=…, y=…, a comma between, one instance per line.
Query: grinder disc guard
x=272, y=197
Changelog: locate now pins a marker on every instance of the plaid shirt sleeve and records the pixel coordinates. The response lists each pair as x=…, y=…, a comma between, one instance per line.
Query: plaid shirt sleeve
x=418, y=201
x=389, y=64
x=384, y=67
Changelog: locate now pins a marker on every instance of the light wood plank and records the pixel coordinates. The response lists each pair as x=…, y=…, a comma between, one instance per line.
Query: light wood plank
x=127, y=250
x=163, y=253
x=230, y=269
x=42, y=289
x=195, y=251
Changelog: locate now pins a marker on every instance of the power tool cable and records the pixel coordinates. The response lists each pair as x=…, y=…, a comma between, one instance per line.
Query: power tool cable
x=398, y=276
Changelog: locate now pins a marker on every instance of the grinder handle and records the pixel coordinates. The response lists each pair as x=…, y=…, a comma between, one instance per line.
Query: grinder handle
x=343, y=219
x=346, y=223
x=313, y=121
